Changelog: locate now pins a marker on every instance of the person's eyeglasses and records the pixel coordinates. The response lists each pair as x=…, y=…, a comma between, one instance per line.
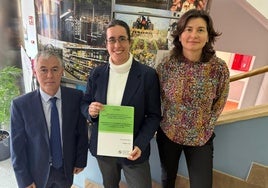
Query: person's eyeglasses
x=113, y=40
x=44, y=71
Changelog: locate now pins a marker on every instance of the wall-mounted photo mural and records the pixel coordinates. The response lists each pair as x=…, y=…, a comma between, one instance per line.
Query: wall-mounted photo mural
x=76, y=21
x=173, y=5
x=152, y=23
x=148, y=33
x=75, y=28
x=185, y=5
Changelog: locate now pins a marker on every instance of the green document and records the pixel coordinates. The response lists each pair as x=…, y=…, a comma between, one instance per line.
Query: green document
x=115, y=136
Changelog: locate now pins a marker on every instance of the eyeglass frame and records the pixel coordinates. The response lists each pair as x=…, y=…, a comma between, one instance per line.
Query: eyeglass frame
x=44, y=71
x=120, y=40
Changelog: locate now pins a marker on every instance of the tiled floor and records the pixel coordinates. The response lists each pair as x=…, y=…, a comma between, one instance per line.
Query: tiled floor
x=7, y=176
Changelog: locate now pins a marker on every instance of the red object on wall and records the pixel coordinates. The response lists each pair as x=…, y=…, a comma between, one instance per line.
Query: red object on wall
x=31, y=20
x=241, y=62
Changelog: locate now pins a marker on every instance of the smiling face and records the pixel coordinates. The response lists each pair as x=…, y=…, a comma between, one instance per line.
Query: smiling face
x=194, y=37
x=48, y=72
x=118, y=44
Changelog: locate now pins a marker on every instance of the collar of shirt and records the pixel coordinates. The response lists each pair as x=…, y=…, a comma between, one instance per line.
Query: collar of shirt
x=45, y=97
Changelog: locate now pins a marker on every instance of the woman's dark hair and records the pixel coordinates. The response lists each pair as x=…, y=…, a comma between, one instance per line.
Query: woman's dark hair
x=208, y=50
x=114, y=23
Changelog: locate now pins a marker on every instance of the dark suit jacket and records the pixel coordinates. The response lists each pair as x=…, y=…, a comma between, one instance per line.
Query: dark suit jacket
x=30, y=151
x=142, y=92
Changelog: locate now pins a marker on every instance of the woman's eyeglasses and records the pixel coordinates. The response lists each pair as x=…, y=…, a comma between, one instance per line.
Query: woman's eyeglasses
x=113, y=40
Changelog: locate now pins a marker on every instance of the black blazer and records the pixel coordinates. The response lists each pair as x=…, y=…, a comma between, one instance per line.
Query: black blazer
x=141, y=91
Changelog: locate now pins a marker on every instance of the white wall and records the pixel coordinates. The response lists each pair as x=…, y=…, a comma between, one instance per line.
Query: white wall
x=242, y=33
x=261, y=6
x=262, y=97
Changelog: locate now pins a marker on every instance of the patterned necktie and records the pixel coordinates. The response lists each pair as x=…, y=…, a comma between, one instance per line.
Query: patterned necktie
x=55, y=137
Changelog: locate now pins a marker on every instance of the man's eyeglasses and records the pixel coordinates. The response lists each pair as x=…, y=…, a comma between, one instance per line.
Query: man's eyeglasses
x=54, y=71
x=113, y=40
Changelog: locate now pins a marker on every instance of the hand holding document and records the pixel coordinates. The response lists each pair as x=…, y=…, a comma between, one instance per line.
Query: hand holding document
x=115, y=135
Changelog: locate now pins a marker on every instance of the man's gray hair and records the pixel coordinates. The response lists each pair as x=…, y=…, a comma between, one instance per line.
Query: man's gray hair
x=47, y=53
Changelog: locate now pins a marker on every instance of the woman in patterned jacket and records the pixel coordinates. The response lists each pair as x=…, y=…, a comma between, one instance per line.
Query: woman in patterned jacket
x=194, y=89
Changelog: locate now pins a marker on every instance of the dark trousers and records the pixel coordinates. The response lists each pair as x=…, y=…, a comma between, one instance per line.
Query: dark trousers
x=57, y=179
x=199, y=161
x=137, y=175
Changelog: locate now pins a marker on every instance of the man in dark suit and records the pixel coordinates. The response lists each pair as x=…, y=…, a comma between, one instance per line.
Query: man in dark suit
x=124, y=82
x=31, y=129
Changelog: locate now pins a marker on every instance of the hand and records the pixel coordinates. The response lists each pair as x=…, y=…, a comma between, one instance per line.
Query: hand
x=135, y=154
x=31, y=186
x=94, y=109
x=77, y=170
